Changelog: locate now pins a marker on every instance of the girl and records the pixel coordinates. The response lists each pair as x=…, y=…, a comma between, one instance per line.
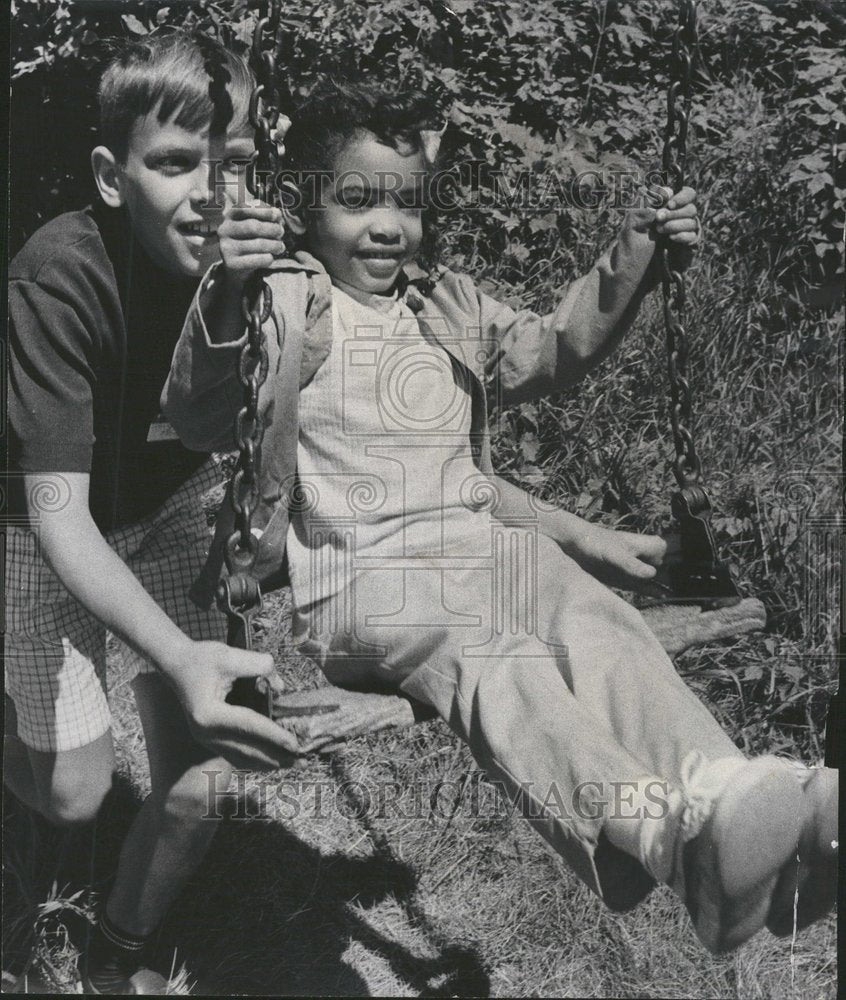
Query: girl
x=413, y=566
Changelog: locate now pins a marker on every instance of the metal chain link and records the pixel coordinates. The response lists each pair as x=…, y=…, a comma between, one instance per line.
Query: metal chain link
x=240, y=595
x=686, y=467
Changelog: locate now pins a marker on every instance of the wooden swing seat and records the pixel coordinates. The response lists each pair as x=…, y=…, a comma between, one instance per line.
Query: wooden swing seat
x=322, y=719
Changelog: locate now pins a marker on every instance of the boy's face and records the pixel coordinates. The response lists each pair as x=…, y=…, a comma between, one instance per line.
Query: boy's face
x=175, y=184
x=369, y=222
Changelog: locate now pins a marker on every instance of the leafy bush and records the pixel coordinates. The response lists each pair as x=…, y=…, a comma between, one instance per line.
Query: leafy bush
x=538, y=86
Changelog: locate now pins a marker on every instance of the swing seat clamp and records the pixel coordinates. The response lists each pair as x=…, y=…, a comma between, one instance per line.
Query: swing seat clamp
x=698, y=576
x=239, y=594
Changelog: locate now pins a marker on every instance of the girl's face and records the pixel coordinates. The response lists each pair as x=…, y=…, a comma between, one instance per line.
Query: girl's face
x=369, y=219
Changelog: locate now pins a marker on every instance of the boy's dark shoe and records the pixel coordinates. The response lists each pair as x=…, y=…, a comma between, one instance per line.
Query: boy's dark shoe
x=114, y=963
x=807, y=887
x=143, y=982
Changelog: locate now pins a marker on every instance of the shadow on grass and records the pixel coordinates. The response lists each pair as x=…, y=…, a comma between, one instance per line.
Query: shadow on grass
x=270, y=914
x=265, y=914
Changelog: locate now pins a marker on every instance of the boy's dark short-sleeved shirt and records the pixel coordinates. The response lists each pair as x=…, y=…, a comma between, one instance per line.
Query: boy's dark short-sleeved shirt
x=92, y=327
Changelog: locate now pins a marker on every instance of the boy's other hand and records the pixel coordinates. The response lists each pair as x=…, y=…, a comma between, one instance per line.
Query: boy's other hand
x=251, y=238
x=203, y=679
x=617, y=558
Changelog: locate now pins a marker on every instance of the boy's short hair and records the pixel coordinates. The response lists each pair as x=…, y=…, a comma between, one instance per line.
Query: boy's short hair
x=336, y=112
x=184, y=76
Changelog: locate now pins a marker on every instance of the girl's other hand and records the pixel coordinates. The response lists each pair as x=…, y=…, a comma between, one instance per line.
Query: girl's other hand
x=677, y=217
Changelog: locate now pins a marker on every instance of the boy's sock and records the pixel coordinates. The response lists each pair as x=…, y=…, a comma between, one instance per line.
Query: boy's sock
x=113, y=957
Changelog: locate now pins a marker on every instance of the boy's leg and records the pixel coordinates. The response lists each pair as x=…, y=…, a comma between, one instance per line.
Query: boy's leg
x=171, y=836
x=164, y=846
x=58, y=754
x=171, y=833
x=17, y=770
x=68, y=787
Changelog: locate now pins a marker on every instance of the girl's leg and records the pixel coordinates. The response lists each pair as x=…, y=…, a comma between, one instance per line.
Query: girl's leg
x=619, y=672
x=433, y=634
x=581, y=745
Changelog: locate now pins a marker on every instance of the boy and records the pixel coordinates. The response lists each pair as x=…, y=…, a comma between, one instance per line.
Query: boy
x=378, y=483
x=106, y=526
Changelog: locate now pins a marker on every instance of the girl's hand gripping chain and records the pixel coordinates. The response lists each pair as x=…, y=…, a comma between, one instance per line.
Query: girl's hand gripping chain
x=674, y=216
x=677, y=217
x=252, y=236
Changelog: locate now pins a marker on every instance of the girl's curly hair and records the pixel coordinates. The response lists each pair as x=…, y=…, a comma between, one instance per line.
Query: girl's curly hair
x=337, y=112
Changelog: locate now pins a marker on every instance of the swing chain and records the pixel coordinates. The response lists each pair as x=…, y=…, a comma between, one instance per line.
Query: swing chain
x=240, y=595
x=265, y=98
x=698, y=577
x=686, y=467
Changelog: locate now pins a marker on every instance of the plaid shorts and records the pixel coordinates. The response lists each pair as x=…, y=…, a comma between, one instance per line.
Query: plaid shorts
x=55, y=651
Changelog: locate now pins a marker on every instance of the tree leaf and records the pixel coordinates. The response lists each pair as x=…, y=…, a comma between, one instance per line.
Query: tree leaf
x=134, y=25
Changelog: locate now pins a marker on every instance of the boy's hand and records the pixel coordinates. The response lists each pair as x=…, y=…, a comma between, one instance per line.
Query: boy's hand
x=251, y=238
x=673, y=215
x=202, y=681
x=616, y=558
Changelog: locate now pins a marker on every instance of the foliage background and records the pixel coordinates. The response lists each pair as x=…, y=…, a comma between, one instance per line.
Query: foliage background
x=564, y=84
x=559, y=88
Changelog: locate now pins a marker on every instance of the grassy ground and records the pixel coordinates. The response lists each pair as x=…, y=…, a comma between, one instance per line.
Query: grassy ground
x=335, y=898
